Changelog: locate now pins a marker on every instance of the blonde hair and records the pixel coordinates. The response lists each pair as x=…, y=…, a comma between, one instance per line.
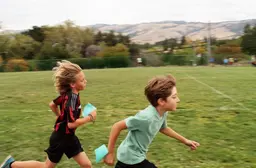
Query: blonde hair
x=65, y=74
x=159, y=87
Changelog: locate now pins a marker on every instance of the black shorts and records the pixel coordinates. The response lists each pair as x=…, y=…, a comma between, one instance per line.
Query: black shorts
x=60, y=144
x=144, y=164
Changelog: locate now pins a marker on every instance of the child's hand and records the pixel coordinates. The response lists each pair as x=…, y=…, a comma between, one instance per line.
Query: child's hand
x=109, y=159
x=94, y=114
x=192, y=144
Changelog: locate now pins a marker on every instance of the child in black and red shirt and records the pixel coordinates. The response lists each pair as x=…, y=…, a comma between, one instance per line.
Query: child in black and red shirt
x=69, y=80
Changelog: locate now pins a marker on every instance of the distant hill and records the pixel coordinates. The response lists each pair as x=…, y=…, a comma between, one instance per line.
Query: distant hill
x=10, y=31
x=157, y=31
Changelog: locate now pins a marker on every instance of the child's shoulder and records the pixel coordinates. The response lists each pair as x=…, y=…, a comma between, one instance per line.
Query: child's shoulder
x=62, y=97
x=146, y=113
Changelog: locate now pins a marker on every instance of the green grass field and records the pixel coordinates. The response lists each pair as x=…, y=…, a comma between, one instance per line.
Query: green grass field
x=217, y=109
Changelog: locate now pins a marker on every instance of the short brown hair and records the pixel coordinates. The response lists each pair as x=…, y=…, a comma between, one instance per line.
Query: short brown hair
x=65, y=74
x=159, y=87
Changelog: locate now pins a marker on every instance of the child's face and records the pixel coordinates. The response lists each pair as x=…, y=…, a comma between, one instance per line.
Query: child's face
x=80, y=82
x=171, y=102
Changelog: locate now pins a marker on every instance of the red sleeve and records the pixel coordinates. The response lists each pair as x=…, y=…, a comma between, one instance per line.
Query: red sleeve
x=58, y=100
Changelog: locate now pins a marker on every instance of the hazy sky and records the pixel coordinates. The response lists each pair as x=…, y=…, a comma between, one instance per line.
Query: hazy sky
x=23, y=14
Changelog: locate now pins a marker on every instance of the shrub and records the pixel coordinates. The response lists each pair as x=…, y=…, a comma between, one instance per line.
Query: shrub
x=171, y=59
x=16, y=65
x=116, y=61
x=1, y=64
x=152, y=60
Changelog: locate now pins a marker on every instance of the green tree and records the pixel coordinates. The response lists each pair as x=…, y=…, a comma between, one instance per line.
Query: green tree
x=37, y=33
x=212, y=39
x=71, y=38
x=146, y=46
x=56, y=51
x=247, y=28
x=4, y=41
x=123, y=39
x=111, y=39
x=87, y=39
x=99, y=37
x=117, y=50
x=168, y=43
x=182, y=41
x=23, y=46
x=172, y=43
x=248, y=42
x=134, y=49
x=4, y=45
x=165, y=44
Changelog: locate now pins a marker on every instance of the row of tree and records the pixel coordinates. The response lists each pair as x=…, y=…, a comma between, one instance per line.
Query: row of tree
x=248, y=42
x=237, y=48
x=64, y=41
x=71, y=41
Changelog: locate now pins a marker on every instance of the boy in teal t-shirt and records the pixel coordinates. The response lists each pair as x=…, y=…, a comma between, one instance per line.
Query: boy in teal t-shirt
x=161, y=92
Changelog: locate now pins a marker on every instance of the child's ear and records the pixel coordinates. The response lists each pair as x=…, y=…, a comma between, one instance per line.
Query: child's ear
x=72, y=85
x=160, y=101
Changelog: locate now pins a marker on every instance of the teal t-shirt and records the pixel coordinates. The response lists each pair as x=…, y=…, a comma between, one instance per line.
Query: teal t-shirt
x=142, y=128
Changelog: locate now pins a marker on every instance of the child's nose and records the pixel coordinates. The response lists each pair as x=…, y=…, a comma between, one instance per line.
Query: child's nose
x=178, y=100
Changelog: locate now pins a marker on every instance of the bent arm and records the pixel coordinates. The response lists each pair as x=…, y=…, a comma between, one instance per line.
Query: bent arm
x=171, y=133
x=54, y=108
x=115, y=131
x=81, y=121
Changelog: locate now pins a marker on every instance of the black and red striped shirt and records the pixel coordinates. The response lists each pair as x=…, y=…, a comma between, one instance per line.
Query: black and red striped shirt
x=70, y=110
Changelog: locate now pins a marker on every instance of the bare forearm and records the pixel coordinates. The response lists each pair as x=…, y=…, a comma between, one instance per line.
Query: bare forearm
x=54, y=109
x=171, y=133
x=79, y=122
x=114, y=133
x=112, y=138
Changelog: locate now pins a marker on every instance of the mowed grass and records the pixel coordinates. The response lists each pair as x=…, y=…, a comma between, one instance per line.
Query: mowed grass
x=217, y=109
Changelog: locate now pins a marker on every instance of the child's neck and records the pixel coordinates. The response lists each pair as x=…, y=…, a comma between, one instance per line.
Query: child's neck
x=160, y=111
x=75, y=91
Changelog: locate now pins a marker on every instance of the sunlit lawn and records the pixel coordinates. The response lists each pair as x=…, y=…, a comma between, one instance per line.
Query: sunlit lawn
x=217, y=109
